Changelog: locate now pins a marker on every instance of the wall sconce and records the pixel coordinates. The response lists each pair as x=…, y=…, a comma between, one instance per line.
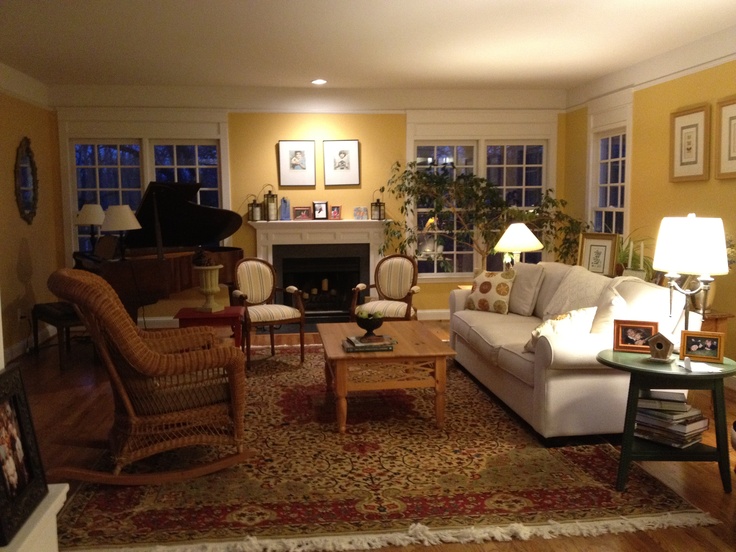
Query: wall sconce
x=270, y=206
x=378, y=208
x=254, y=210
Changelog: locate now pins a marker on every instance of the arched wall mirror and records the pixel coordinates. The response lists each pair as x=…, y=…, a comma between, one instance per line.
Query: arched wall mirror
x=26, y=181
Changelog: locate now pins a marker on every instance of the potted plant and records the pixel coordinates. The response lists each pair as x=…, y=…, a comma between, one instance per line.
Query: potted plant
x=472, y=211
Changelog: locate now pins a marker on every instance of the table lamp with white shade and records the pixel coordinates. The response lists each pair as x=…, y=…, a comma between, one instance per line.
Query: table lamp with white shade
x=691, y=246
x=91, y=214
x=120, y=218
x=516, y=239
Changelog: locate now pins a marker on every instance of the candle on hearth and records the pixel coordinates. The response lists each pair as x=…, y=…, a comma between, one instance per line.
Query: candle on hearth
x=641, y=255
x=325, y=285
x=631, y=254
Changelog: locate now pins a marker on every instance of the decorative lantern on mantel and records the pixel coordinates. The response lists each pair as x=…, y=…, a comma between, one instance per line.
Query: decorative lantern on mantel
x=378, y=208
x=270, y=206
x=254, y=210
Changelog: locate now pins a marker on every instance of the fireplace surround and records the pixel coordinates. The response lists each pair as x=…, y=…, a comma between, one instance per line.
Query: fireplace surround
x=325, y=259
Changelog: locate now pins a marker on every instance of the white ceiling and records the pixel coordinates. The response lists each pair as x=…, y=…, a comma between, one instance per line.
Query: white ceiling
x=425, y=44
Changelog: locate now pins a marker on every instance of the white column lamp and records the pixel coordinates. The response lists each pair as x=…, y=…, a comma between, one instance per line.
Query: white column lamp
x=691, y=246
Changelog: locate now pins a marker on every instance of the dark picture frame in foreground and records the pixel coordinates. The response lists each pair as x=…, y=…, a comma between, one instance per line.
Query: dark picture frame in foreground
x=22, y=479
x=342, y=162
x=690, y=144
x=633, y=335
x=598, y=252
x=703, y=346
x=296, y=163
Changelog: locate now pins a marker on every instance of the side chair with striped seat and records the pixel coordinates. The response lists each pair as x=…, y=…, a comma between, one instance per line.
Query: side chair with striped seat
x=256, y=289
x=395, y=282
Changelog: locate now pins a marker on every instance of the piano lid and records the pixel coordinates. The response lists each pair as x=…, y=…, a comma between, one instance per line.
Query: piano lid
x=171, y=209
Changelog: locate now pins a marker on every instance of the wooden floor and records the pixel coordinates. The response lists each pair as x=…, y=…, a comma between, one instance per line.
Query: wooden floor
x=72, y=411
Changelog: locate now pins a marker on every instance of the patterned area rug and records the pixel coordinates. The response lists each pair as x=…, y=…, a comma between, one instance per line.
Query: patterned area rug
x=392, y=479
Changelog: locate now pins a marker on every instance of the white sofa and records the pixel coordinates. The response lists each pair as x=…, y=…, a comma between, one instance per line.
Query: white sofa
x=539, y=358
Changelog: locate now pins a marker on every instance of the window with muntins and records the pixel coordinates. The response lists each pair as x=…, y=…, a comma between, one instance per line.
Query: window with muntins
x=437, y=251
x=608, y=213
x=111, y=172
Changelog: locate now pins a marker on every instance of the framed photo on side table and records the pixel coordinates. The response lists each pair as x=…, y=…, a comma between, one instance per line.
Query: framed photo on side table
x=342, y=162
x=598, y=252
x=296, y=163
x=633, y=335
x=726, y=138
x=689, y=143
x=703, y=346
x=23, y=484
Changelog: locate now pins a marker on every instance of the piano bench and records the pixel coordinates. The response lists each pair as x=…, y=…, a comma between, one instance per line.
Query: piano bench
x=63, y=317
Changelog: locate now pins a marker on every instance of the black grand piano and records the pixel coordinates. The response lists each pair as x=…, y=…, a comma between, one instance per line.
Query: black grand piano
x=158, y=257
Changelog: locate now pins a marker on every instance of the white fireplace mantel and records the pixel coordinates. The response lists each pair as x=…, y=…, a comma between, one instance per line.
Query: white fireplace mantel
x=316, y=232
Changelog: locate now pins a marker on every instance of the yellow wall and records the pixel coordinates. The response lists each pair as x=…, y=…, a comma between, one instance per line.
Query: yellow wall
x=653, y=196
x=29, y=253
x=572, y=183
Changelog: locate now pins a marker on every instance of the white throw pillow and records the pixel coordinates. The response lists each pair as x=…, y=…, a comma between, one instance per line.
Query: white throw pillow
x=491, y=292
x=578, y=321
x=579, y=288
x=526, y=288
x=611, y=306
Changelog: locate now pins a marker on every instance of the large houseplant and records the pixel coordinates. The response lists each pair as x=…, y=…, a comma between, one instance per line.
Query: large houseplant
x=472, y=211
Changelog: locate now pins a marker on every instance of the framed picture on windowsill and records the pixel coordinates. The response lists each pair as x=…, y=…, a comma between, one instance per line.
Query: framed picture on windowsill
x=22, y=479
x=689, y=144
x=598, y=252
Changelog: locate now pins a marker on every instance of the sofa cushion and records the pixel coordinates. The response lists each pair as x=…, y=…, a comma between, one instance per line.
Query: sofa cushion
x=610, y=306
x=579, y=288
x=512, y=358
x=490, y=292
x=579, y=320
x=553, y=275
x=526, y=288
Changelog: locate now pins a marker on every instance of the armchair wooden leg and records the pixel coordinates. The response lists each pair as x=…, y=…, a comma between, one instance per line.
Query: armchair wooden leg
x=273, y=345
x=301, y=339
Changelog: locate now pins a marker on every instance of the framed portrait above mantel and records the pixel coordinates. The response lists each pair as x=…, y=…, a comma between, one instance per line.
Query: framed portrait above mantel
x=690, y=144
x=726, y=138
x=342, y=162
x=296, y=163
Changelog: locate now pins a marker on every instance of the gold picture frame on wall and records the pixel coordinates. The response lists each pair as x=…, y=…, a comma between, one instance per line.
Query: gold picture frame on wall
x=726, y=138
x=690, y=144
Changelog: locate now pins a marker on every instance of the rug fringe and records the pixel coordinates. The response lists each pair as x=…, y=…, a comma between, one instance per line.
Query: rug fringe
x=421, y=534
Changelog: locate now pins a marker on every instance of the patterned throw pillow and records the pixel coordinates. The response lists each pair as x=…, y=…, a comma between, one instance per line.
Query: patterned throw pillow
x=491, y=292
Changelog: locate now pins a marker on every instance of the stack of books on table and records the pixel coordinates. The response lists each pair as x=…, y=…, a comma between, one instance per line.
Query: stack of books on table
x=665, y=417
x=358, y=344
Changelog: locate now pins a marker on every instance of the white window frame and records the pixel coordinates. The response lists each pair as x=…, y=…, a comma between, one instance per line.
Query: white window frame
x=146, y=125
x=610, y=115
x=482, y=127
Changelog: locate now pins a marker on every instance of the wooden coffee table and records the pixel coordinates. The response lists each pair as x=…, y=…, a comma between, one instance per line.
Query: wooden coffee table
x=419, y=359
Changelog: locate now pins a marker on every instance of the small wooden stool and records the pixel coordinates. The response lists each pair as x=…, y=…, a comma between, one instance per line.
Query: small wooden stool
x=63, y=317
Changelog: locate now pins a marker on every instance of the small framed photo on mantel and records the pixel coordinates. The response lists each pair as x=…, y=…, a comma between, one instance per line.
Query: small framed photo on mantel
x=319, y=210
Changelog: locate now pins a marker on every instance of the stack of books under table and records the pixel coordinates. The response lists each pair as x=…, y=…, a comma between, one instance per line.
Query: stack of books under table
x=665, y=417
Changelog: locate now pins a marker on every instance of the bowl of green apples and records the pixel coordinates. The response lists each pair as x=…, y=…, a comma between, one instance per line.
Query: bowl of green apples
x=369, y=322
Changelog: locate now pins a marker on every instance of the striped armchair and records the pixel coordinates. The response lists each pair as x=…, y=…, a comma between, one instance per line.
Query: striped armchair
x=256, y=287
x=396, y=284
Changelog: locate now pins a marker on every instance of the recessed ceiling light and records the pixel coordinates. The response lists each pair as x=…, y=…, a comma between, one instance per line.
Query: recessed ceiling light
x=319, y=82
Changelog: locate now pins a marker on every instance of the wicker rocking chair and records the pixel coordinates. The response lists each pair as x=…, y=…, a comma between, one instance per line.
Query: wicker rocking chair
x=171, y=388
